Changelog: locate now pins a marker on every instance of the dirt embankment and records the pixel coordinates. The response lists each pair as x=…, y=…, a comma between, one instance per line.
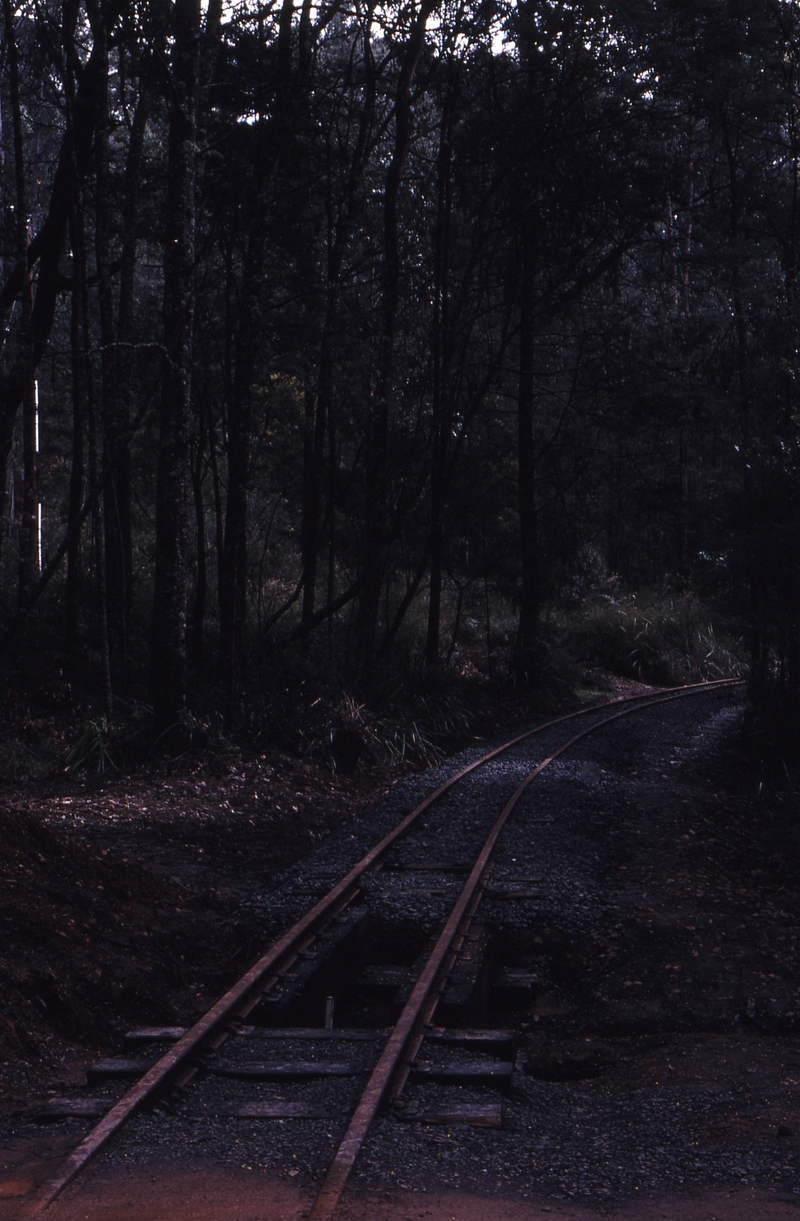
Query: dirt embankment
x=119, y=897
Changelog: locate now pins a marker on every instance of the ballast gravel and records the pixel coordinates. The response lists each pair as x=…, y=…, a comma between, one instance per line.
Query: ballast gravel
x=653, y=945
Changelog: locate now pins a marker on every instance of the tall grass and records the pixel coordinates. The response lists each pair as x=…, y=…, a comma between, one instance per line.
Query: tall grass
x=652, y=637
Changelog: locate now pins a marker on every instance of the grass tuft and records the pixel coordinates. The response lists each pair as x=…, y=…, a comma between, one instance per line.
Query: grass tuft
x=91, y=749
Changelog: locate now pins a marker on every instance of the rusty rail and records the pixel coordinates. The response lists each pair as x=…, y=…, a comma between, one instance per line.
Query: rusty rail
x=396, y=1051
x=238, y=1000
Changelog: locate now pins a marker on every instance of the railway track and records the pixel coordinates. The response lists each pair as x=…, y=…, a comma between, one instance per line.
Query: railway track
x=425, y=1004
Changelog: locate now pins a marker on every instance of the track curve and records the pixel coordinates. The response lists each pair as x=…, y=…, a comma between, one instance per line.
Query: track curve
x=242, y=997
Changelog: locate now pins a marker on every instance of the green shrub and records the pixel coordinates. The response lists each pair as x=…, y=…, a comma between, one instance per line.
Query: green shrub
x=658, y=638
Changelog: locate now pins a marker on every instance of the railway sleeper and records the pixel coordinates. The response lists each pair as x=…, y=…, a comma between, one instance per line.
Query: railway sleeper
x=286, y=1070
x=490, y=1072
x=73, y=1108
x=380, y=980
x=500, y=1040
x=514, y=987
x=478, y=1116
x=508, y=892
x=396, y=866
x=275, y=1109
x=479, y=1070
x=255, y=1070
x=118, y=1066
x=171, y=1034
x=497, y=1073
x=481, y=1116
x=94, y=1108
x=154, y=1034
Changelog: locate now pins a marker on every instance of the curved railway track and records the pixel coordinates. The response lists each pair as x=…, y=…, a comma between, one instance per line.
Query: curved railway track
x=309, y=936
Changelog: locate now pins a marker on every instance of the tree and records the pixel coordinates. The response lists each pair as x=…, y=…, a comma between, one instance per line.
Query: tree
x=168, y=648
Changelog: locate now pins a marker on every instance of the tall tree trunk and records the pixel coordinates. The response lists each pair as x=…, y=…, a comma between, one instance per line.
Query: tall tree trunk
x=315, y=421
x=376, y=500
x=168, y=646
x=79, y=351
x=528, y=646
x=29, y=517
x=684, y=515
x=442, y=398
x=114, y=417
x=85, y=387
x=233, y=557
x=320, y=427
x=28, y=534
x=333, y=474
x=685, y=423
x=76, y=477
x=201, y=583
x=117, y=490
x=758, y=651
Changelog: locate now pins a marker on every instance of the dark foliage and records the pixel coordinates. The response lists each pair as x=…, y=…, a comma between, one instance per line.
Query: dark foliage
x=363, y=346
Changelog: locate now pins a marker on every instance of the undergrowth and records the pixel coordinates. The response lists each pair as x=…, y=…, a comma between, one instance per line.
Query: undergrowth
x=308, y=707
x=667, y=639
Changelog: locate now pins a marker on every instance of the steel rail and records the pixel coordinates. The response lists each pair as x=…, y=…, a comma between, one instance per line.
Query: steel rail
x=396, y=1050
x=235, y=1000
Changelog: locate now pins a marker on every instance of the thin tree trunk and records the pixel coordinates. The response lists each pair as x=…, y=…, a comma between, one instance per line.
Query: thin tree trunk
x=319, y=408
x=201, y=583
x=87, y=389
x=442, y=398
x=29, y=518
x=114, y=523
x=527, y=660
x=684, y=517
x=168, y=646
x=79, y=359
x=115, y=371
x=219, y=517
x=76, y=476
x=333, y=473
x=684, y=427
x=118, y=490
x=316, y=413
x=28, y=533
x=376, y=501
x=233, y=558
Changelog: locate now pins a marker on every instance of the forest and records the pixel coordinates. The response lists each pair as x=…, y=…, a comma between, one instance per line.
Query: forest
x=352, y=349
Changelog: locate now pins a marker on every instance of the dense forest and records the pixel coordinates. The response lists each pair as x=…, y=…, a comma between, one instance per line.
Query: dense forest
x=339, y=336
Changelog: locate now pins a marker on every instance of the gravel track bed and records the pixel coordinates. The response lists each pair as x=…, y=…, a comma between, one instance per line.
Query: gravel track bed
x=662, y=1113
x=579, y=792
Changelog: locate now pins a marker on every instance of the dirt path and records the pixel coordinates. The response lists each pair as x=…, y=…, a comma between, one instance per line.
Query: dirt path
x=200, y=1194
